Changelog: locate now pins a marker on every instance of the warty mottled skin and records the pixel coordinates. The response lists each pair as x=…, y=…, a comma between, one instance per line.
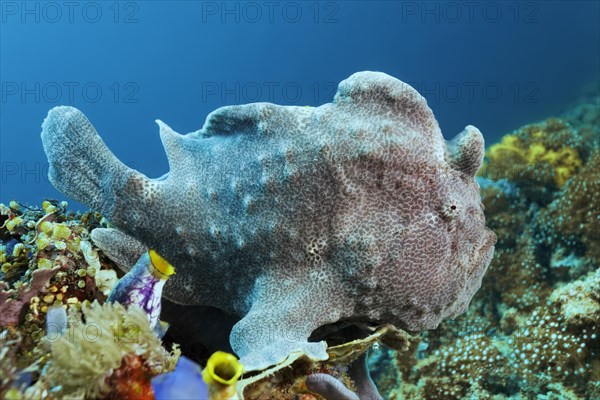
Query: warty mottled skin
x=293, y=218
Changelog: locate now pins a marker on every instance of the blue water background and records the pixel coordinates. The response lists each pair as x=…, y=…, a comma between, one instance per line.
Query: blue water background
x=496, y=65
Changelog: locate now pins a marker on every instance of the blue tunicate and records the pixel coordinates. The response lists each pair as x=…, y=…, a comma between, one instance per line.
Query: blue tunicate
x=184, y=383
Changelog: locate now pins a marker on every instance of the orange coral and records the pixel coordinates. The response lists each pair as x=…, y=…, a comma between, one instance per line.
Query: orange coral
x=131, y=380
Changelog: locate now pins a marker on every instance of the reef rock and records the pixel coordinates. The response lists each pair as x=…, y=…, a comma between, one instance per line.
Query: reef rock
x=296, y=218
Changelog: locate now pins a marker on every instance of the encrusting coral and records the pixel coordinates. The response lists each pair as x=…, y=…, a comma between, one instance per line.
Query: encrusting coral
x=571, y=221
x=57, y=264
x=12, y=301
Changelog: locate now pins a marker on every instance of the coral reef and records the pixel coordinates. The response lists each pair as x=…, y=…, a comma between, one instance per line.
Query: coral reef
x=570, y=222
x=11, y=382
x=50, y=265
x=299, y=217
x=12, y=301
x=533, y=330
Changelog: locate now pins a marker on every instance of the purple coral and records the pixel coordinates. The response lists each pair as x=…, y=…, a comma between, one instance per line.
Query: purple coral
x=12, y=301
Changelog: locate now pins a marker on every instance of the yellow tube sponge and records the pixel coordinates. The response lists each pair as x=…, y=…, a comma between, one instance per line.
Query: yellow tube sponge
x=221, y=374
x=162, y=267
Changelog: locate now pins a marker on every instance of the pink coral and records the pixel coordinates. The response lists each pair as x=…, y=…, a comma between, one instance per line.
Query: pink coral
x=12, y=301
